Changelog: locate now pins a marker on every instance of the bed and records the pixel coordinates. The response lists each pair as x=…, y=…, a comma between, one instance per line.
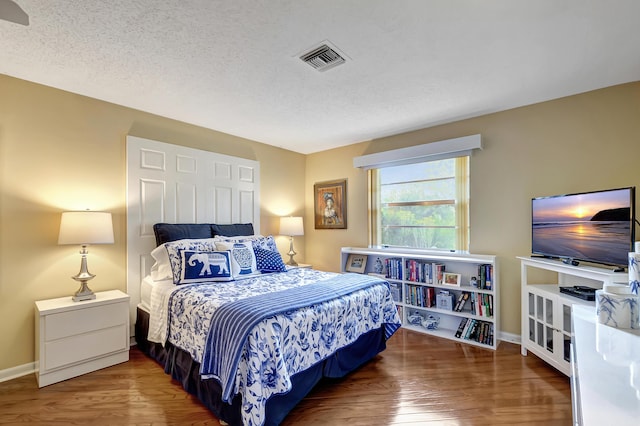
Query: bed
x=250, y=338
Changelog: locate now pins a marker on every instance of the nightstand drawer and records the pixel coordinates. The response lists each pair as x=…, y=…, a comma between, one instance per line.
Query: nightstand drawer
x=64, y=324
x=73, y=349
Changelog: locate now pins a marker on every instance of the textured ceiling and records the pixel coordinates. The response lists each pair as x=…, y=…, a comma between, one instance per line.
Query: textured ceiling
x=232, y=65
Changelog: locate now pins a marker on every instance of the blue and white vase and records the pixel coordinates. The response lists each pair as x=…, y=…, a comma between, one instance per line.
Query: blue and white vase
x=634, y=270
x=242, y=256
x=617, y=307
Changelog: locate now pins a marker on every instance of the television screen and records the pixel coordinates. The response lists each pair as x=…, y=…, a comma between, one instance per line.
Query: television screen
x=591, y=226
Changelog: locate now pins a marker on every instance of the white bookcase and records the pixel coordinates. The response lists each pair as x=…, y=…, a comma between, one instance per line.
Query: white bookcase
x=546, y=312
x=415, y=290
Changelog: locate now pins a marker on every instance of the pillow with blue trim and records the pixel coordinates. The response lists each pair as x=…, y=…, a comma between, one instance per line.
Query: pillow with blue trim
x=204, y=266
x=266, y=243
x=269, y=260
x=243, y=259
x=174, y=249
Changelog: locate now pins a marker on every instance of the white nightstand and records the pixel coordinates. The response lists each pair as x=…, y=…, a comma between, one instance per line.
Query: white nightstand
x=75, y=338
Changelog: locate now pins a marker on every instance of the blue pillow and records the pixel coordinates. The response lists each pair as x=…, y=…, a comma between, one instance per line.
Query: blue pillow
x=167, y=232
x=174, y=251
x=269, y=261
x=232, y=230
x=204, y=266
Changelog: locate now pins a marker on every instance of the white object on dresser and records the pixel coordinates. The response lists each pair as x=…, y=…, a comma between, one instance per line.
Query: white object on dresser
x=477, y=316
x=75, y=338
x=605, y=386
x=546, y=313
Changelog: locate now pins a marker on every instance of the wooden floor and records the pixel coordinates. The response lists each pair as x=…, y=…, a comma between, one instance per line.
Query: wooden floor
x=418, y=380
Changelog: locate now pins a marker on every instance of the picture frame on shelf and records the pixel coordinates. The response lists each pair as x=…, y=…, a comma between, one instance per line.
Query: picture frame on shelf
x=356, y=263
x=330, y=204
x=449, y=278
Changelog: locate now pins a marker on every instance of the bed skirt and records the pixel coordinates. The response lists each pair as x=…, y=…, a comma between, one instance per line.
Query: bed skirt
x=185, y=370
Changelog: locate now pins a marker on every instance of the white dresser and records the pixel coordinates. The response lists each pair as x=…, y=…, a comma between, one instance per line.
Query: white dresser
x=74, y=338
x=606, y=372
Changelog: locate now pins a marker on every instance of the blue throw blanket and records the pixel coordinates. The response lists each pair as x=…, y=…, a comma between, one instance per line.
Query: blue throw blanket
x=231, y=323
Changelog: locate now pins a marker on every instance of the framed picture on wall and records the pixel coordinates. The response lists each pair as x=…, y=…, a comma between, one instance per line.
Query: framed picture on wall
x=356, y=263
x=330, y=204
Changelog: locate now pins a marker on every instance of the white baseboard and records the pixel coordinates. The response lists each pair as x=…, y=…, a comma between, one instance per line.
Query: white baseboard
x=15, y=372
x=511, y=338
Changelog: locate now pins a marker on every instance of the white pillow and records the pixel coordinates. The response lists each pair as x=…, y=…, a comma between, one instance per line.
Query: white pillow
x=243, y=259
x=161, y=269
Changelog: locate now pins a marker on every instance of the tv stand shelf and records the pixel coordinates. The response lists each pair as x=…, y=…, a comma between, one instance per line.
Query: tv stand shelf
x=546, y=312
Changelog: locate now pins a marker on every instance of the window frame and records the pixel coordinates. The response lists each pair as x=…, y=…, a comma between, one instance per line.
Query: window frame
x=461, y=204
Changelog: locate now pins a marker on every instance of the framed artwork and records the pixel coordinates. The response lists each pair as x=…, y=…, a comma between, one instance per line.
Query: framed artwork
x=451, y=279
x=330, y=204
x=356, y=263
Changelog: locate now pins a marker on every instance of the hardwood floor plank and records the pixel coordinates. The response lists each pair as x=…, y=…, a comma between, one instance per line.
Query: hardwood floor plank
x=418, y=380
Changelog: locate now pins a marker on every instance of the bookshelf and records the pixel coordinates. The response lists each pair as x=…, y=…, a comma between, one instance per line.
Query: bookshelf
x=433, y=291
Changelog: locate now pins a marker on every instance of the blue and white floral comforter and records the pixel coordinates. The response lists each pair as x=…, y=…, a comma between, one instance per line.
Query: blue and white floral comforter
x=284, y=344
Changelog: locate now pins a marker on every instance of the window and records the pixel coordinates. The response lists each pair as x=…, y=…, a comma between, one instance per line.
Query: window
x=421, y=205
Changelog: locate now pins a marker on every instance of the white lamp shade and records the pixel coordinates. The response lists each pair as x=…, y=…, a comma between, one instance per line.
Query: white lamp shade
x=86, y=227
x=291, y=226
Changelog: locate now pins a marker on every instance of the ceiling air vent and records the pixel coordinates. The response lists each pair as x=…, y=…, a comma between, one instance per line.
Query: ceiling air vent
x=323, y=58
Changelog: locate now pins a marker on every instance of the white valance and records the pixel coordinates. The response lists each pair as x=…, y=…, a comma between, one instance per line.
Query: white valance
x=440, y=150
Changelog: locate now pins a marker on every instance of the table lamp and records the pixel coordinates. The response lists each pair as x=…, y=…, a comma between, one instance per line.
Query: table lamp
x=85, y=228
x=291, y=226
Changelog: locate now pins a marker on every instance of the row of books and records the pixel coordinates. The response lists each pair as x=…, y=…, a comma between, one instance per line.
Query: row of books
x=476, y=330
x=418, y=295
x=482, y=304
x=485, y=276
x=414, y=270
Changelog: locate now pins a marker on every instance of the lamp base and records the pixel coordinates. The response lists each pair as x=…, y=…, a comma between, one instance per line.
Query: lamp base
x=83, y=293
x=291, y=253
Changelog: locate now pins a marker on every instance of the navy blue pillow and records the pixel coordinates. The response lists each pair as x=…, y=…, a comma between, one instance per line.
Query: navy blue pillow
x=232, y=230
x=166, y=232
x=204, y=266
x=269, y=261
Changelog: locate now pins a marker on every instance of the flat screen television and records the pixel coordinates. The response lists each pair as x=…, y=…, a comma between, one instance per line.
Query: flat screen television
x=595, y=226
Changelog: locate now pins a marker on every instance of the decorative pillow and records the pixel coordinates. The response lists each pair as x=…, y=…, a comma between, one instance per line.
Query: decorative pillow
x=269, y=261
x=204, y=266
x=266, y=243
x=232, y=230
x=174, y=249
x=167, y=232
x=243, y=259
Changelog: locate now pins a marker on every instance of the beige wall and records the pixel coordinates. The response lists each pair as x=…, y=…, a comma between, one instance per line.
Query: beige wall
x=60, y=151
x=579, y=143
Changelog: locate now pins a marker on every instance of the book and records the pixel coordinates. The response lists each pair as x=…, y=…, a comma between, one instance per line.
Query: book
x=463, y=323
x=462, y=300
x=467, y=326
x=472, y=324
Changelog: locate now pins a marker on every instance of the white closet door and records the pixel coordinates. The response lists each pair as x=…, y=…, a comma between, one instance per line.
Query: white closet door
x=175, y=184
